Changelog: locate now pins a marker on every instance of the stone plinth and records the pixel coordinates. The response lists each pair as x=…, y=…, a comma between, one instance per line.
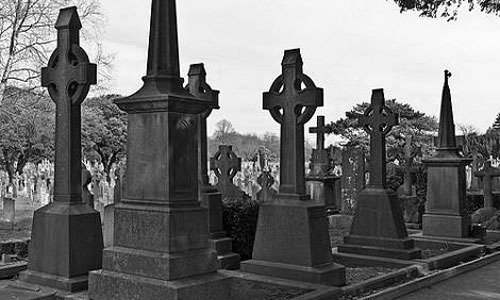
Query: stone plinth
x=378, y=228
x=292, y=242
x=445, y=209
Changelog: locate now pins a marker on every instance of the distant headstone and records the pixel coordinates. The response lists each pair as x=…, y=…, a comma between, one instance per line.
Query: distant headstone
x=446, y=208
x=353, y=177
x=407, y=192
x=225, y=165
x=378, y=227
x=87, y=197
x=66, y=239
x=9, y=208
x=292, y=239
x=320, y=183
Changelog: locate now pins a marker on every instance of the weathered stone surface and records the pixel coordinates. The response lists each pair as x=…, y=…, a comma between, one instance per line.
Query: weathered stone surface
x=378, y=227
x=353, y=176
x=292, y=239
x=66, y=239
x=445, y=210
x=160, y=233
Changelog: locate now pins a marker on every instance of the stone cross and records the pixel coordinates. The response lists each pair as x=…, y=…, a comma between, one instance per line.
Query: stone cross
x=487, y=173
x=198, y=87
x=320, y=130
x=408, y=169
x=225, y=164
x=68, y=78
x=292, y=106
x=377, y=121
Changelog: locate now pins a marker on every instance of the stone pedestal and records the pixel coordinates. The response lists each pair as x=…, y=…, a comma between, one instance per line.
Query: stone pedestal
x=445, y=210
x=378, y=228
x=292, y=242
x=410, y=204
x=108, y=224
x=211, y=199
x=59, y=229
x=323, y=189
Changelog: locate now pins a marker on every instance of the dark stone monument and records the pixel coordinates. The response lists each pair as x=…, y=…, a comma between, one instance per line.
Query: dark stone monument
x=320, y=184
x=160, y=248
x=292, y=239
x=209, y=197
x=477, y=162
x=225, y=165
x=445, y=210
x=378, y=227
x=66, y=240
x=265, y=179
x=353, y=176
x=406, y=192
x=487, y=173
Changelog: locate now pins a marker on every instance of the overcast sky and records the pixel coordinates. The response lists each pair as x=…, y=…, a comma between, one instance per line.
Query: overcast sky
x=348, y=47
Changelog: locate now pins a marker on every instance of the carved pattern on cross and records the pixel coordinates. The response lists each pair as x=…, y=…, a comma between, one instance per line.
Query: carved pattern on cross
x=69, y=74
x=225, y=164
x=377, y=121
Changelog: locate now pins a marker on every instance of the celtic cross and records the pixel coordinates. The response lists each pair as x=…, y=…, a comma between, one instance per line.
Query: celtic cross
x=68, y=78
x=487, y=173
x=377, y=121
x=292, y=106
x=198, y=87
x=225, y=164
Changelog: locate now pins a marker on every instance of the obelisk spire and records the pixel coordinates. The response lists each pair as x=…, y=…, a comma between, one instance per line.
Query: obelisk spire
x=446, y=134
x=163, y=52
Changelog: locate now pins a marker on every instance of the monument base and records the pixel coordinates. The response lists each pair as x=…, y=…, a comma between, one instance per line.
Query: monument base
x=322, y=190
x=378, y=227
x=66, y=243
x=109, y=285
x=446, y=225
x=224, y=247
x=292, y=242
x=410, y=206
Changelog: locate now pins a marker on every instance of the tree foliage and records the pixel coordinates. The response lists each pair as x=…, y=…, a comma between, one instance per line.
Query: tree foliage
x=448, y=8
x=412, y=122
x=104, y=131
x=27, y=37
x=27, y=129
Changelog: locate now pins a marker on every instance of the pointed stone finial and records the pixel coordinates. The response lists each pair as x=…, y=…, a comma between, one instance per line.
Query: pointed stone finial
x=68, y=18
x=446, y=134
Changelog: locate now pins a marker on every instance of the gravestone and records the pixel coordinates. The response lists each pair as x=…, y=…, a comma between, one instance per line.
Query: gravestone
x=66, y=239
x=109, y=210
x=265, y=179
x=320, y=184
x=487, y=173
x=9, y=204
x=407, y=192
x=378, y=227
x=160, y=248
x=225, y=164
x=477, y=162
x=292, y=239
x=353, y=177
x=446, y=209
x=209, y=197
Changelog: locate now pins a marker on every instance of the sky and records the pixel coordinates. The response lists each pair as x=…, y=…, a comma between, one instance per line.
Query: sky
x=348, y=48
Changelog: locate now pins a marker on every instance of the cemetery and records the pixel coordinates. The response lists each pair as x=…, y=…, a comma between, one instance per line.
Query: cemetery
x=133, y=199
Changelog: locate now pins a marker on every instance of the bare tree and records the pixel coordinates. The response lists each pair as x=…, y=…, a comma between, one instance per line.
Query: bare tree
x=27, y=37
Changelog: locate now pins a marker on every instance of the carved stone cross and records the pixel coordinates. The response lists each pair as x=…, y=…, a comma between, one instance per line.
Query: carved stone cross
x=320, y=130
x=198, y=87
x=487, y=173
x=68, y=78
x=292, y=106
x=225, y=164
x=377, y=121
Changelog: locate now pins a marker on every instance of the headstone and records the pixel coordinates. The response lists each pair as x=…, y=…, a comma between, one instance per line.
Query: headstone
x=9, y=205
x=353, y=177
x=320, y=183
x=225, y=165
x=446, y=209
x=209, y=197
x=292, y=239
x=477, y=162
x=407, y=191
x=487, y=173
x=378, y=227
x=160, y=246
x=109, y=210
x=66, y=239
